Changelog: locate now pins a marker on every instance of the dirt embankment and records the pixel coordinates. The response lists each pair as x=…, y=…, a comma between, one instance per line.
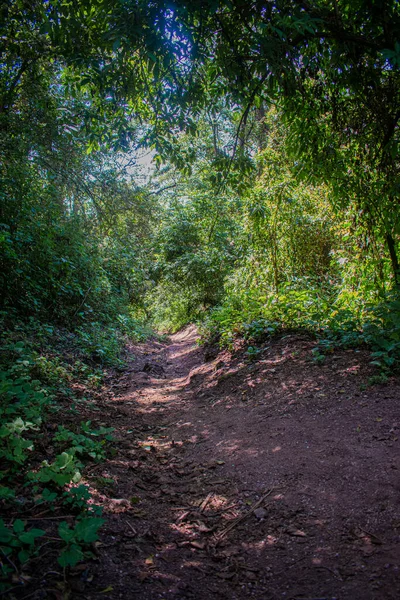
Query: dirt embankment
x=273, y=479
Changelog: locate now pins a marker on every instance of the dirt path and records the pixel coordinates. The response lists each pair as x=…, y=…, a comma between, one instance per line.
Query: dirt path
x=278, y=479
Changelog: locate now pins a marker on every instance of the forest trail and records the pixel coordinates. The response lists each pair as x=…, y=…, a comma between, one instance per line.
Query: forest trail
x=272, y=479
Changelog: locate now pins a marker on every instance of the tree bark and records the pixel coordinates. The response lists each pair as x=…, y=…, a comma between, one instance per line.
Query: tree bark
x=394, y=258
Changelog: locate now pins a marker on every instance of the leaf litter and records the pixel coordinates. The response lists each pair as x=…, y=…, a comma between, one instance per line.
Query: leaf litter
x=250, y=499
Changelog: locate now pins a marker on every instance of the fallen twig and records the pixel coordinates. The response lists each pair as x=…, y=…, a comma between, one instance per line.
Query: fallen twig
x=132, y=527
x=224, y=510
x=330, y=571
x=219, y=536
x=8, y=559
x=183, y=516
x=374, y=538
x=205, y=502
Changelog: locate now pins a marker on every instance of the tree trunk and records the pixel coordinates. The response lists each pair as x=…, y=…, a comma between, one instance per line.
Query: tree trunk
x=394, y=258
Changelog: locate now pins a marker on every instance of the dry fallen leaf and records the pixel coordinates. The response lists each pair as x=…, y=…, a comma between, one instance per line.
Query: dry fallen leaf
x=120, y=502
x=198, y=545
x=183, y=516
x=203, y=527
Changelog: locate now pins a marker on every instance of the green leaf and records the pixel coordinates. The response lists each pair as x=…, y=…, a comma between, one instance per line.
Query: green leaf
x=70, y=556
x=19, y=526
x=30, y=536
x=6, y=492
x=5, y=533
x=86, y=530
x=65, y=532
x=23, y=556
x=63, y=460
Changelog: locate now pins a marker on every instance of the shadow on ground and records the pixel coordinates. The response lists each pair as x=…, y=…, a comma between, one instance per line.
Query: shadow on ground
x=277, y=479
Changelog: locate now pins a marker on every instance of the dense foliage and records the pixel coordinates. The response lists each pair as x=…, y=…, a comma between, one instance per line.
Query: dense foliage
x=271, y=201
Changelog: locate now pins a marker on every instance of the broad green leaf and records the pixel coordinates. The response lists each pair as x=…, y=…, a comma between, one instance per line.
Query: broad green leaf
x=86, y=529
x=18, y=526
x=71, y=556
x=30, y=536
x=65, y=532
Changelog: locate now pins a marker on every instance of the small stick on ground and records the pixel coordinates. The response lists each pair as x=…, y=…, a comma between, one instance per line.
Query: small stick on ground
x=205, y=502
x=374, y=538
x=183, y=516
x=224, y=510
x=219, y=536
x=8, y=559
x=132, y=527
x=328, y=569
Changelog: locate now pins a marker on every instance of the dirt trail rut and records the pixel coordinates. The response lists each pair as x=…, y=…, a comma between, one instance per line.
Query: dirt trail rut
x=277, y=479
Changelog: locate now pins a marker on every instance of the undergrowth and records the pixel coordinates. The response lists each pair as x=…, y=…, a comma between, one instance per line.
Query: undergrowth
x=42, y=461
x=341, y=320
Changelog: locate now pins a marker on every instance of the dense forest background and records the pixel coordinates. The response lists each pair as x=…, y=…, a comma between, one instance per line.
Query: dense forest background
x=268, y=198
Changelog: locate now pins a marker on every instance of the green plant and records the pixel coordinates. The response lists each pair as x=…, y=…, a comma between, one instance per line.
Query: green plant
x=92, y=376
x=64, y=469
x=78, y=539
x=51, y=370
x=318, y=356
x=6, y=493
x=22, y=405
x=21, y=396
x=102, y=343
x=259, y=330
x=13, y=444
x=16, y=542
x=79, y=499
x=82, y=443
x=382, y=333
x=379, y=379
x=252, y=352
x=46, y=496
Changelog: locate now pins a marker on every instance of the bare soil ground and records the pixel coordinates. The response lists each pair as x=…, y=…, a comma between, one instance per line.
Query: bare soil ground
x=277, y=479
